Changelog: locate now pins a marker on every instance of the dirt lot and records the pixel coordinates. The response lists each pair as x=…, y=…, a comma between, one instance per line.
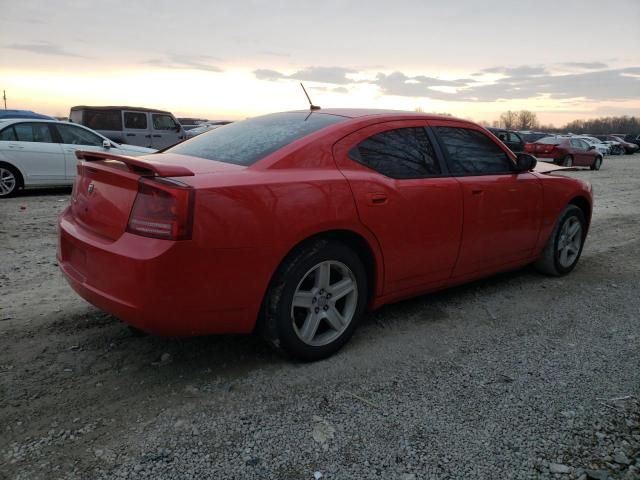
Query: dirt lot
x=517, y=376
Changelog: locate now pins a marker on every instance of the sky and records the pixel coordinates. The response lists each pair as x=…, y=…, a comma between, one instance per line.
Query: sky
x=562, y=59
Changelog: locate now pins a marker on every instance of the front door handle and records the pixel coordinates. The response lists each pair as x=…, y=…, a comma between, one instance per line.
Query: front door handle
x=131, y=134
x=377, y=198
x=157, y=135
x=17, y=147
x=476, y=191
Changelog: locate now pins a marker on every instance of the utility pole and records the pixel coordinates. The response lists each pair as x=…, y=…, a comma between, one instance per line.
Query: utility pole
x=4, y=97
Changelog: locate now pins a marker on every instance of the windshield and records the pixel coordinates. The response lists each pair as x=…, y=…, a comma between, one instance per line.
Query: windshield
x=246, y=142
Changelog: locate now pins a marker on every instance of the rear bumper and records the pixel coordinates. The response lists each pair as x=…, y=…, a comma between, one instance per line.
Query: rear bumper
x=163, y=287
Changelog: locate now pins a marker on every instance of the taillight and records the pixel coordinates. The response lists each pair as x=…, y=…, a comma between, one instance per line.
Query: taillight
x=162, y=209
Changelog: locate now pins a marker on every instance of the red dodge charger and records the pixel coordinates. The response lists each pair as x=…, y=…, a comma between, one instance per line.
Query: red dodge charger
x=294, y=224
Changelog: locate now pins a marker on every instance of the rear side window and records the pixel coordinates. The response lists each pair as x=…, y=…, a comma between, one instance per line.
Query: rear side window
x=135, y=120
x=8, y=134
x=103, y=119
x=246, y=142
x=163, y=122
x=550, y=140
x=33, y=132
x=78, y=136
x=470, y=152
x=400, y=153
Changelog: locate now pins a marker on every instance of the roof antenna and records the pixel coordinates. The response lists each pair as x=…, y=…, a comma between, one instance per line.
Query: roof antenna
x=311, y=105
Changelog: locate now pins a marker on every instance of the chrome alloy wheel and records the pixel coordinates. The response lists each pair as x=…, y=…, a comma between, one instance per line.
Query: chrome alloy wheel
x=7, y=181
x=324, y=303
x=569, y=242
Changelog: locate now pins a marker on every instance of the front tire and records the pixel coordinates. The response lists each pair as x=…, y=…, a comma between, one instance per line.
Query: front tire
x=596, y=164
x=567, y=161
x=315, y=301
x=564, y=247
x=9, y=181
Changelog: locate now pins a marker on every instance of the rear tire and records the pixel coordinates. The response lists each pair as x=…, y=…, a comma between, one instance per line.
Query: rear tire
x=315, y=301
x=10, y=180
x=564, y=246
x=596, y=164
x=567, y=161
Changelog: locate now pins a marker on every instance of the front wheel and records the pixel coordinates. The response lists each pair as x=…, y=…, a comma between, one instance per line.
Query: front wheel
x=315, y=300
x=567, y=161
x=564, y=247
x=596, y=164
x=9, y=182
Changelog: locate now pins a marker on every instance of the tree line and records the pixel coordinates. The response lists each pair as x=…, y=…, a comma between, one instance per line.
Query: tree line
x=527, y=120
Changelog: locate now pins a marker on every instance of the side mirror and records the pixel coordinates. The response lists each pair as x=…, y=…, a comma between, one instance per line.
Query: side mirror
x=591, y=147
x=525, y=162
x=106, y=144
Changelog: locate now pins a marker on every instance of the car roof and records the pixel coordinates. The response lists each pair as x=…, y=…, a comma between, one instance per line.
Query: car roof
x=370, y=112
x=119, y=107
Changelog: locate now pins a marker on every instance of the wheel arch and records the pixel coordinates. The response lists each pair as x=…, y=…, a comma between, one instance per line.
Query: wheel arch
x=583, y=204
x=17, y=169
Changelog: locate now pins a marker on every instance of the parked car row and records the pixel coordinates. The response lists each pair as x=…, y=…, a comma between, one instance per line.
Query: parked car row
x=41, y=153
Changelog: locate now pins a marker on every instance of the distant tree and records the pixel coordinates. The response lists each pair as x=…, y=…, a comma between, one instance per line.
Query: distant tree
x=526, y=120
x=419, y=109
x=604, y=125
x=508, y=119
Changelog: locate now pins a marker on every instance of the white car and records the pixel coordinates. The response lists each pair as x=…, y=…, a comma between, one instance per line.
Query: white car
x=603, y=148
x=41, y=153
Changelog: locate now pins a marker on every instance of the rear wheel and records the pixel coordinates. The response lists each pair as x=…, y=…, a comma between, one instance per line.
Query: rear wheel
x=315, y=301
x=9, y=181
x=596, y=164
x=567, y=161
x=564, y=247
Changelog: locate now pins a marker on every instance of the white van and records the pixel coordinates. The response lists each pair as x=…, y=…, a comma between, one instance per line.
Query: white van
x=144, y=127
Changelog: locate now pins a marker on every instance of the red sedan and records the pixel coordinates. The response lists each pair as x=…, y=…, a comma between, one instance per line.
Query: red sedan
x=297, y=223
x=566, y=151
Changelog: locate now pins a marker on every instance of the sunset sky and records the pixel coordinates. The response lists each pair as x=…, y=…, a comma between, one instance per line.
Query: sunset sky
x=230, y=60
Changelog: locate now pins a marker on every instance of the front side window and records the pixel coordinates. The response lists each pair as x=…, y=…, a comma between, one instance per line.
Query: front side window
x=163, y=122
x=470, y=152
x=8, y=134
x=78, y=136
x=33, y=132
x=246, y=142
x=401, y=153
x=135, y=120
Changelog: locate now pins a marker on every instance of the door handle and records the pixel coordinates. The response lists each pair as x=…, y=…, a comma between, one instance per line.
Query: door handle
x=476, y=191
x=147, y=136
x=17, y=147
x=377, y=198
x=131, y=134
x=157, y=135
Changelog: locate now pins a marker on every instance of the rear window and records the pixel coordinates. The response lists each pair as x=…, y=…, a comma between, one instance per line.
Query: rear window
x=246, y=142
x=550, y=140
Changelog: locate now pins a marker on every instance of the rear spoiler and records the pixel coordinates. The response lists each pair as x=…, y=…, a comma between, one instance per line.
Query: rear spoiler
x=137, y=165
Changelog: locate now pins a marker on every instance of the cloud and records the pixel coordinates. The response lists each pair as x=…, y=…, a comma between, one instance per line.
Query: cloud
x=272, y=53
x=44, y=48
x=335, y=75
x=516, y=82
x=585, y=65
x=191, y=62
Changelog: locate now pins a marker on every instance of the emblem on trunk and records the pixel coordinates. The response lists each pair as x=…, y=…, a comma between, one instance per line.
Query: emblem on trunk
x=90, y=188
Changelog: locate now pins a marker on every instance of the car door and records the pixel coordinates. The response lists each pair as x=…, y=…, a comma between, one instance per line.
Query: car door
x=136, y=128
x=36, y=153
x=502, y=209
x=403, y=198
x=165, y=131
x=73, y=138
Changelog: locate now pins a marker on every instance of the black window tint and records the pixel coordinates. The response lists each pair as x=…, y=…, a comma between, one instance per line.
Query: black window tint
x=78, y=136
x=33, y=132
x=135, y=120
x=472, y=152
x=400, y=153
x=163, y=122
x=103, y=119
x=8, y=134
x=246, y=142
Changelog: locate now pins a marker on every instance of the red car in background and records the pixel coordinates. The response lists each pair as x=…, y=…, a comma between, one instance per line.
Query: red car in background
x=296, y=223
x=566, y=151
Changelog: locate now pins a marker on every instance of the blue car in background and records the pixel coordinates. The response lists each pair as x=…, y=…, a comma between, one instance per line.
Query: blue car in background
x=23, y=114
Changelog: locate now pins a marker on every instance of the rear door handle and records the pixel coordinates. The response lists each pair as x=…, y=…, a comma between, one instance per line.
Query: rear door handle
x=476, y=191
x=157, y=135
x=377, y=198
x=16, y=147
x=147, y=136
x=131, y=134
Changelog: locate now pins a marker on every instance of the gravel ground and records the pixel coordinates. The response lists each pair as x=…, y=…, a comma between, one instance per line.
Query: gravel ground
x=517, y=376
